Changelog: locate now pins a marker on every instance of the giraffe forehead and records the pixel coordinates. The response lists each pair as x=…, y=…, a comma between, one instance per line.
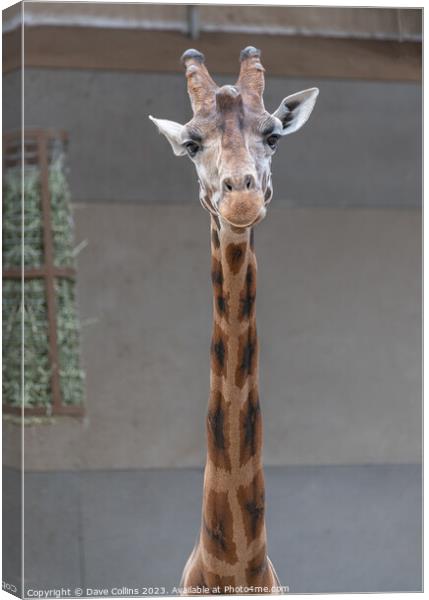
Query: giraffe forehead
x=229, y=105
x=233, y=108
x=229, y=122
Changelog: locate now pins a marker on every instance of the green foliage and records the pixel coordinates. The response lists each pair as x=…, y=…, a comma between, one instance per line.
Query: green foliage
x=33, y=312
x=15, y=224
x=71, y=375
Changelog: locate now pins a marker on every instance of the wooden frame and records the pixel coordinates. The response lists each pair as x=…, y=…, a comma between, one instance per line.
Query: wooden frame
x=36, y=143
x=71, y=47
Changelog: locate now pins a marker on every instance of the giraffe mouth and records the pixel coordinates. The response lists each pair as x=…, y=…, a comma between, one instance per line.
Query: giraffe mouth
x=242, y=209
x=258, y=219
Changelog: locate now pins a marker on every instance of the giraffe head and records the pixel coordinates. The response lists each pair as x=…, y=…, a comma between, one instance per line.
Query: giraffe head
x=231, y=138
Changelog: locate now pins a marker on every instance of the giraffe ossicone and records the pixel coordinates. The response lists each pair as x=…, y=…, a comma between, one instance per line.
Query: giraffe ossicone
x=231, y=139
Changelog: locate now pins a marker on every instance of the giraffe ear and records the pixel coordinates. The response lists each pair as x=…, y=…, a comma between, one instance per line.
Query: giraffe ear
x=173, y=132
x=295, y=110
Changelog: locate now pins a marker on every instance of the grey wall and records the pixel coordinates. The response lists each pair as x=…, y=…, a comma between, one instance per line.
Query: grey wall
x=339, y=322
x=330, y=528
x=362, y=146
x=339, y=297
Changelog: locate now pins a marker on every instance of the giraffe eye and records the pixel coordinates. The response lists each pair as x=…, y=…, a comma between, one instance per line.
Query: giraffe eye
x=272, y=141
x=191, y=148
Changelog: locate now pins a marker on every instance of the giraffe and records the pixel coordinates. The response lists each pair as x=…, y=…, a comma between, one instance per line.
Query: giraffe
x=231, y=139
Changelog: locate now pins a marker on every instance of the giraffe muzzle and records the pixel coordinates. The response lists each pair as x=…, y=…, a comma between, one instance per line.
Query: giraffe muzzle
x=242, y=208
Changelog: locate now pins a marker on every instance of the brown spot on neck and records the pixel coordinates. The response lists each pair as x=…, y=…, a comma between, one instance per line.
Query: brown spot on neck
x=248, y=294
x=250, y=427
x=217, y=275
x=235, y=255
x=247, y=356
x=218, y=431
x=252, y=502
x=217, y=528
x=219, y=584
x=219, y=351
x=215, y=239
x=257, y=572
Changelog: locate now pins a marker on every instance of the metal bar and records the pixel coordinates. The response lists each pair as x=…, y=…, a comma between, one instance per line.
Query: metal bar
x=42, y=142
x=66, y=272
x=193, y=21
x=399, y=24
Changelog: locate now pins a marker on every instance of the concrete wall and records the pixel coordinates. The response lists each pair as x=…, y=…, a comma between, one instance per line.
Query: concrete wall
x=339, y=322
x=362, y=146
x=339, y=298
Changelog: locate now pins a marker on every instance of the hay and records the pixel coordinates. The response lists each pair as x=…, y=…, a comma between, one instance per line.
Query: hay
x=37, y=371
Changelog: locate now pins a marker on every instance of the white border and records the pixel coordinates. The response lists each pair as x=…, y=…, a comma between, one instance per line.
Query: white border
x=374, y=4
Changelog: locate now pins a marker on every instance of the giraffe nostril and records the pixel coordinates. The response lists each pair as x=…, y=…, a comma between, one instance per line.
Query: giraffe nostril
x=249, y=182
x=238, y=184
x=227, y=185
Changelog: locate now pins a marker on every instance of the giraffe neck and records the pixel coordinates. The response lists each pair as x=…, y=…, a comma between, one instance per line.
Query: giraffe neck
x=233, y=536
